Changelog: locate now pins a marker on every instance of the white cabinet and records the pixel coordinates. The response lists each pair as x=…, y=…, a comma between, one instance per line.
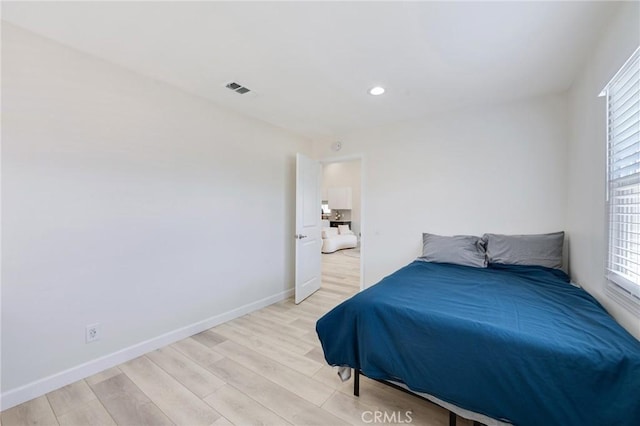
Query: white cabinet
x=339, y=198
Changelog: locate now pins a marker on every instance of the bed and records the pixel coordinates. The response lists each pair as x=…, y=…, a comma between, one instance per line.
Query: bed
x=517, y=344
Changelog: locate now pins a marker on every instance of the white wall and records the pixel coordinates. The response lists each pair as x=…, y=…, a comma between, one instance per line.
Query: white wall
x=340, y=175
x=492, y=169
x=587, y=160
x=129, y=203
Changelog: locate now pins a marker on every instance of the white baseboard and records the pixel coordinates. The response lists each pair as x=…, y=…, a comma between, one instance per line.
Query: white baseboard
x=40, y=387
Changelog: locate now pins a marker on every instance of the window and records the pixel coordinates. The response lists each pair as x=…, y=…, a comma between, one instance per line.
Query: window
x=623, y=179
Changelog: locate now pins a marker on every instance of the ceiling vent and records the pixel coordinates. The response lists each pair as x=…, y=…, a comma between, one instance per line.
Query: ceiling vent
x=238, y=88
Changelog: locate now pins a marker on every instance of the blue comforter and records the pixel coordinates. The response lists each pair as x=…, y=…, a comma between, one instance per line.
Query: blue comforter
x=517, y=343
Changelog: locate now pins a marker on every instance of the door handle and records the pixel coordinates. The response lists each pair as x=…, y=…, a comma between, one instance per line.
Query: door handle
x=300, y=236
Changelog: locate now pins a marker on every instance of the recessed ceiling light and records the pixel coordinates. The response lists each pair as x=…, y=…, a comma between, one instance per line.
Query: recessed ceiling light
x=375, y=91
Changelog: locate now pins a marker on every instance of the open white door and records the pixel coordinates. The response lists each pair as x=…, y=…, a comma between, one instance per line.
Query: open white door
x=308, y=226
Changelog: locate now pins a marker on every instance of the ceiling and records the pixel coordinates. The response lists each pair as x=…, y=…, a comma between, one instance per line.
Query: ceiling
x=310, y=64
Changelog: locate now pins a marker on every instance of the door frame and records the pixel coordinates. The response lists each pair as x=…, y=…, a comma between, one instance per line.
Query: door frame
x=345, y=159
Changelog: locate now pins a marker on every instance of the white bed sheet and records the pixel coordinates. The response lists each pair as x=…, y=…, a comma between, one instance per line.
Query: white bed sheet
x=345, y=373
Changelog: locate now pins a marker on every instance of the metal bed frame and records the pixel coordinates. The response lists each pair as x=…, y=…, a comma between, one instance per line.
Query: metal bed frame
x=356, y=391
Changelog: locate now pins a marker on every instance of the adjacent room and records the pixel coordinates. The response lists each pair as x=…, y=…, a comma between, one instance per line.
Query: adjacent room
x=320, y=213
x=341, y=219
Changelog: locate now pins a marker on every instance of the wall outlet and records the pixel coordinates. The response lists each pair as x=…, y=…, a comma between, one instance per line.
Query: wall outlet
x=93, y=332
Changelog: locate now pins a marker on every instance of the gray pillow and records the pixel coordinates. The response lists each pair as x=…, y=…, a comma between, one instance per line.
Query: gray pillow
x=460, y=250
x=540, y=249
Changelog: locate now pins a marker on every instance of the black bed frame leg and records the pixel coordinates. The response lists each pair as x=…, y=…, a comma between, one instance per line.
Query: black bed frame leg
x=356, y=382
x=356, y=391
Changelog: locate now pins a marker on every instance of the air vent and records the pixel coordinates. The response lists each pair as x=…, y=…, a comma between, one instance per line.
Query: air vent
x=238, y=88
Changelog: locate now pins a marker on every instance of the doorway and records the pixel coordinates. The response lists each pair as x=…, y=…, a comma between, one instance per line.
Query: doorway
x=342, y=226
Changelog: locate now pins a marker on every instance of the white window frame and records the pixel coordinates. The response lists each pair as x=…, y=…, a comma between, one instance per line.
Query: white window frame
x=622, y=289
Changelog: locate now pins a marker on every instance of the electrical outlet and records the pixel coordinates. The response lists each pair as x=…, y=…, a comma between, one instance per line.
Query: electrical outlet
x=93, y=332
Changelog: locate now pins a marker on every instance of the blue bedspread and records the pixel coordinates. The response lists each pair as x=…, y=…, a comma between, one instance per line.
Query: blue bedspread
x=512, y=342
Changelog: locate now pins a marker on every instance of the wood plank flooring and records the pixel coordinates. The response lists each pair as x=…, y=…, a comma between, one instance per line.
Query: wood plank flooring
x=265, y=368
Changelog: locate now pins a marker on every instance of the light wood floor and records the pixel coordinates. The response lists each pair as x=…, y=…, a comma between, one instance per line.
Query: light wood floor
x=265, y=368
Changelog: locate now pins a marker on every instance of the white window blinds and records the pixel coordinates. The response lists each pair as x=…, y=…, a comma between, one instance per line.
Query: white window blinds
x=623, y=177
